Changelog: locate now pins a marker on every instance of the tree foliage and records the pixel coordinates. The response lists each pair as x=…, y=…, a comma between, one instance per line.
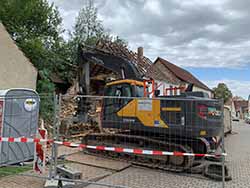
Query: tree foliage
x=88, y=29
x=31, y=19
x=35, y=25
x=222, y=92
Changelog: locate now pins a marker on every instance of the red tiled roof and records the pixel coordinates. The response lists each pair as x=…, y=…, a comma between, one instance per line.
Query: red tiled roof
x=182, y=74
x=160, y=72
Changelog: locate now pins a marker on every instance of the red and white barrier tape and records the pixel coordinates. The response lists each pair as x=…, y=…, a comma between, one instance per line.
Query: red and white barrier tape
x=40, y=151
x=137, y=151
x=105, y=148
x=23, y=140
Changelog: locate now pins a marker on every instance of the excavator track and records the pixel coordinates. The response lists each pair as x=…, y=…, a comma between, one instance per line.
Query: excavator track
x=168, y=163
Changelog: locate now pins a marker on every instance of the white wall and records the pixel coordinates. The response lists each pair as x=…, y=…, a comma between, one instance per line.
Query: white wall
x=195, y=88
x=162, y=86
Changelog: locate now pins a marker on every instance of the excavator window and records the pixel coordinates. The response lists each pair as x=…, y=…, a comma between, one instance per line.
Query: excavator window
x=118, y=92
x=127, y=92
x=139, y=90
x=121, y=90
x=110, y=91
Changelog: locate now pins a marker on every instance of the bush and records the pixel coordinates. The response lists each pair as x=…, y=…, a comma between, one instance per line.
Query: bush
x=46, y=91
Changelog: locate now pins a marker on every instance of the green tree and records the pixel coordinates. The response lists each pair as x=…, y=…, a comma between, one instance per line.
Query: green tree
x=35, y=25
x=88, y=29
x=119, y=41
x=222, y=92
x=30, y=19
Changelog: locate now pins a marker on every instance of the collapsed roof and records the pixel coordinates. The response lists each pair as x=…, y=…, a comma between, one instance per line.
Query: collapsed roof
x=110, y=57
x=106, y=64
x=141, y=63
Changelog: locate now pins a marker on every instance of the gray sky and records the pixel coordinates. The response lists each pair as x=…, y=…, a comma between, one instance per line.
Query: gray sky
x=195, y=34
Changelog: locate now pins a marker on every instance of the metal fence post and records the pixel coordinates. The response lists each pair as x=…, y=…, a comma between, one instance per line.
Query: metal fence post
x=54, y=152
x=223, y=147
x=223, y=165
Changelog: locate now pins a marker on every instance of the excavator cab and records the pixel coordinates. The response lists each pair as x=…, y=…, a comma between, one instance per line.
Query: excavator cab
x=124, y=88
x=119, y=93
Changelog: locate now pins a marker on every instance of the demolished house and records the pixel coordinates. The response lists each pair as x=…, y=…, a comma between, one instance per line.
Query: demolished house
x=111, y=61
x=105, y=62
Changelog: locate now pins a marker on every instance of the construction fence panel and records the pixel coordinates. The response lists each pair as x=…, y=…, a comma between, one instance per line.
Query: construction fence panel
x=142, y=142
x=113, y=141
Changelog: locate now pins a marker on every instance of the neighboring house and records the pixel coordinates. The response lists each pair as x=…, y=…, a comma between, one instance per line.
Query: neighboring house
x=171, y=75
x=16, y=71
x=241, y=108
x=164, y=78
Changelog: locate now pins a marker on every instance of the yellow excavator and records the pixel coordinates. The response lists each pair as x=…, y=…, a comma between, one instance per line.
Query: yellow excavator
x=188, y=123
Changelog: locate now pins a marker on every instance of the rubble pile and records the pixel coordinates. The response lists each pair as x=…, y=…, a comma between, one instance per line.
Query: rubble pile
x=69, y=127
x=68, y=107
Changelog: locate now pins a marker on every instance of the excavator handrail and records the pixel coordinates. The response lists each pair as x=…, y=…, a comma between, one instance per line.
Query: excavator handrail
x=172, y=98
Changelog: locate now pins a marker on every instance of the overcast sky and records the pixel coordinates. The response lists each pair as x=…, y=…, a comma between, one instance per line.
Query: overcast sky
x=210, y=38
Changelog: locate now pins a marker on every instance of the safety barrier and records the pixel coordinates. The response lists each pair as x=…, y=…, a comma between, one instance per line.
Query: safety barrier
x=105, y=148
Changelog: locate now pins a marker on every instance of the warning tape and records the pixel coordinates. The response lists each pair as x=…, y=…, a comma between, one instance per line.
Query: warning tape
x=23, y=140
x=105, y=148
x=137, y=151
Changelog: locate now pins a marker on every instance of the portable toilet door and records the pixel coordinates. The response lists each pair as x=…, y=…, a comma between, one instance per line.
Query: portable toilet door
x=19, y=118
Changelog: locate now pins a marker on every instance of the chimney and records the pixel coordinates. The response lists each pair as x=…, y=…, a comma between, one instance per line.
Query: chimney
x=139, y=55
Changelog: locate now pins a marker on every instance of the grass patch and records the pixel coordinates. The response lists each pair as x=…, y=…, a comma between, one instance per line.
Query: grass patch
x=13, y=170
